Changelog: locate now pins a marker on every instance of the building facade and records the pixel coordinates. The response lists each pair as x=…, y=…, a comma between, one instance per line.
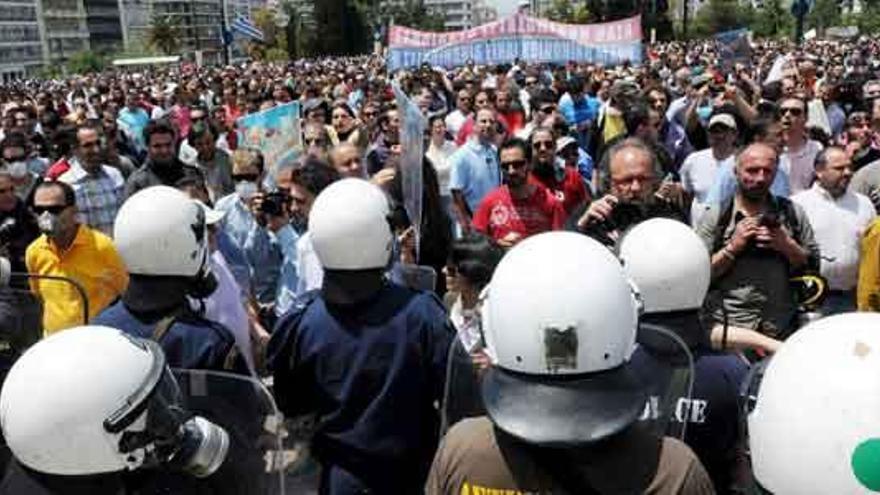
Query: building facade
x=459, y=13
x=65, y=29
x=21, y=46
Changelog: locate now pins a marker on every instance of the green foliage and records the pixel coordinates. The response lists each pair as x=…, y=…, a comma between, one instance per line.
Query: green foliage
x=162, y=34
x=564, y=11
x=85, y=61
x=825, y=13
x=868, y=20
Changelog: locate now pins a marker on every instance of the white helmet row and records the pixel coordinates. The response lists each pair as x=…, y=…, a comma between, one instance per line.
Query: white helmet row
x=815, y=427
x=349, y=226
x=560, y=318
x=160, y=231
x=668, y=263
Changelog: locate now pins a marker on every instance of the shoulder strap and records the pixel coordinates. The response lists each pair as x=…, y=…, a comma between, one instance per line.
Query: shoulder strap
x=163, y=325
x=723, y=220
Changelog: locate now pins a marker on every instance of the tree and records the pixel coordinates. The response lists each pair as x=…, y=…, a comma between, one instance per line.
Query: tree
x=564, y=11
x=85, y=61
x=163, y=35
x=825, y=13
x=274, y=46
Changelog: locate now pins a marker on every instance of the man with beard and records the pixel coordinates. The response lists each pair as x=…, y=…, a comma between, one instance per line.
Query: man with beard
x=758, y=241
x=519, y=208
x=839, y=218
x=635, y=194
x=380, y=150
x=162, y=166
x=564, y=182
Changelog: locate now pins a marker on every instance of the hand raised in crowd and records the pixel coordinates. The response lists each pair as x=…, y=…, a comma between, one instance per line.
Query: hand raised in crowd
x=599, y=211
x=384, y=177
x=407, y=241
x=775, y=238
x=746, y=230
x=273, y=222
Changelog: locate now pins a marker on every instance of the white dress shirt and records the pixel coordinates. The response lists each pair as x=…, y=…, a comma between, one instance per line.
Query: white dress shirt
x=838, y=224
x=800, y=165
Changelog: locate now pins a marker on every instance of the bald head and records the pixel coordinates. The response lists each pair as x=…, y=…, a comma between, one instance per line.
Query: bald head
x=755, y=170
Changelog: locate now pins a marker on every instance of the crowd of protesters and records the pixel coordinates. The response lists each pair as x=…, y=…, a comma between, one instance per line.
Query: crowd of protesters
x=773, y=159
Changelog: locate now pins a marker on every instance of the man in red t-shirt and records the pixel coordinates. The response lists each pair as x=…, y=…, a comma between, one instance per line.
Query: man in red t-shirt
x=562, y=181
x=518, y=208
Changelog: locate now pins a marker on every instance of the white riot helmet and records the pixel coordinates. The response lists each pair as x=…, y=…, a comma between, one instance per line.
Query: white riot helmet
x=560, y=318
x=815, y=427
x=93, y=400
x=349, y=226
x=160, y=231
x=669, y=264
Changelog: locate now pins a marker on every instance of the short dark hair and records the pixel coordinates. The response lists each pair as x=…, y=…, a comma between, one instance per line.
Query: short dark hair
x=475, y=257
x=66, y=189
x=516, y=143
x=199, y=130
x=636, y=115
x=14, y=140
x=314, y=175
x=541, y=97
x=159, y=126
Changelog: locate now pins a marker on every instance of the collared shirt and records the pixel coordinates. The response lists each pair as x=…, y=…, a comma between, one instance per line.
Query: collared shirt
x=259, y=246
x=92, y=260
x=800, y=165
x=838, y=224
x=310, y=271
x=218, y=174
x=755, y=292
x=439, y=156
x=475, y=172
x=98, y=194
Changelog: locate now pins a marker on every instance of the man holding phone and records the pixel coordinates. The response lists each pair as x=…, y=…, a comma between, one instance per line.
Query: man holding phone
x=758, y=242
x=635, y=193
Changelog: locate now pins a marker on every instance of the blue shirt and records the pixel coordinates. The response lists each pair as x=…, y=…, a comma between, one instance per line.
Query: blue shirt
x=134, y=123
x=372, y=372
x=576, y=112
x=288, y=280
x=724, y=188
x=260, y=248
x=475, y=172
x=190, y=343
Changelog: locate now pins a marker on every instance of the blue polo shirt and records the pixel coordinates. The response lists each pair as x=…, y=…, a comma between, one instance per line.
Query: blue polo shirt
x=475, y=172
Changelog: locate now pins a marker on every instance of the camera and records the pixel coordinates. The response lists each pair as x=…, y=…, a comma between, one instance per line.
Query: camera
x=769, y=220
x=275, y=203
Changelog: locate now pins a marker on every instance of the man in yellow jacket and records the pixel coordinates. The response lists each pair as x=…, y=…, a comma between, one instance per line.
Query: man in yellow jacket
x=869, y=269
x=69, y=249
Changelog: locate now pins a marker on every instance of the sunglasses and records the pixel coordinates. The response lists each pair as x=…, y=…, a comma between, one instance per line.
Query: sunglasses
x=794, y=111
x=547, y=109
x=543, y=145
x=244, y=177
x=53, y=209
x=313, y=141
x=514, y=164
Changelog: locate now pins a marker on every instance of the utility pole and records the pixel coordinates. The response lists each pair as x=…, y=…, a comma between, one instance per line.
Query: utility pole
x=684, y=18
x=224, y=35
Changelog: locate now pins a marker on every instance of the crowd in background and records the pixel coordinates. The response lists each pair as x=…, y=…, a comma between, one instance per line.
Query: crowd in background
x=773, y=159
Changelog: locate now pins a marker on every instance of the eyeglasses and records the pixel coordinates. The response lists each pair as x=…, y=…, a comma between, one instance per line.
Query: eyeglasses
x=794, y=111
x=543, y=145
x=53, y=209
x=547, y=109
x=245, y=177
x=314, y=141
x=514, y=164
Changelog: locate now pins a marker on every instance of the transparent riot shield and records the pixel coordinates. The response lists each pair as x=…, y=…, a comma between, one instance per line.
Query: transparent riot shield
x=665, y=365
x=244, y=408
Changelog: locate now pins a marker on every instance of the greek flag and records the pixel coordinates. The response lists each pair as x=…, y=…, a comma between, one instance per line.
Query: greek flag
x=243, y=26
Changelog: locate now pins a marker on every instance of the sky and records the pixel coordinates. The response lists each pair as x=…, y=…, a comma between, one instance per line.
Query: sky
x=504, y=6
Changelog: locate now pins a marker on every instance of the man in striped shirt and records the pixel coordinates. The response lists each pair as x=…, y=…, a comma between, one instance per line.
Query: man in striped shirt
x=98, y=187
